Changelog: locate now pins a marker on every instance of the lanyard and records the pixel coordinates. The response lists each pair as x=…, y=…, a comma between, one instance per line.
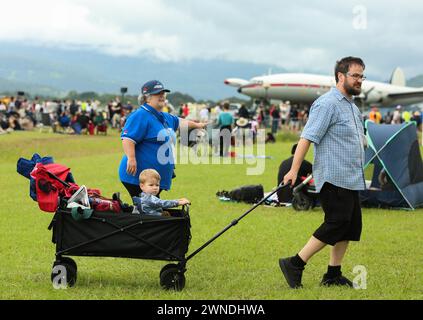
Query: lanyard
x=163, y=122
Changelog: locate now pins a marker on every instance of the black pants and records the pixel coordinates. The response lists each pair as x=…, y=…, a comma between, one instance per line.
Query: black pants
x=342, y=215
x=134, y=190
x=224, y=144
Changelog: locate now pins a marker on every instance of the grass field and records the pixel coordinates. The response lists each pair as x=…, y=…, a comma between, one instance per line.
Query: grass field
x=242, y=264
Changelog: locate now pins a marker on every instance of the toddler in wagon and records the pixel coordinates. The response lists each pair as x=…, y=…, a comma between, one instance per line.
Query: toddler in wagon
x=148, y=202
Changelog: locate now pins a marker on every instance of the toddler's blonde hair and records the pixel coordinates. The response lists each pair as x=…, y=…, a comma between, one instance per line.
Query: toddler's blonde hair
x=148, y=174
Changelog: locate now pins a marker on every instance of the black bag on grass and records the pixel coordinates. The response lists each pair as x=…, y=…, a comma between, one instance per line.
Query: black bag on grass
x=249, y=193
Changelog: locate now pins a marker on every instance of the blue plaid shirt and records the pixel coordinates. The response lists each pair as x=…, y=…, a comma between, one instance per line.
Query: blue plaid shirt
x=336, y=129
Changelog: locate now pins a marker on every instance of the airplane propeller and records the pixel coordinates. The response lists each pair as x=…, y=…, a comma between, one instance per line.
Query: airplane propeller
x=363, y=98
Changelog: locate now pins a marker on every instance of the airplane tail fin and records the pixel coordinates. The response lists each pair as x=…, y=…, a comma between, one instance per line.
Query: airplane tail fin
x=398, y=77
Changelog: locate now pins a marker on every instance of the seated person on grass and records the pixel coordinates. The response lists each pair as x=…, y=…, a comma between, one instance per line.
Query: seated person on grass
x=285, y=194
x=148, y=202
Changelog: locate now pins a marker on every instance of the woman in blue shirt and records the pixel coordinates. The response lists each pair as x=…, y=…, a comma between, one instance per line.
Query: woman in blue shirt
x=148, y=137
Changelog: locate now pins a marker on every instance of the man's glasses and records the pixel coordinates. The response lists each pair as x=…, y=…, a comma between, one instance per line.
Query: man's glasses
x=356, y=76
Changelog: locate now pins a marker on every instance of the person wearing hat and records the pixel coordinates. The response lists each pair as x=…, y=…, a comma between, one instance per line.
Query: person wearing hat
x=242, y=130
x=242, y=122
x=396, y=118
x=148, y=137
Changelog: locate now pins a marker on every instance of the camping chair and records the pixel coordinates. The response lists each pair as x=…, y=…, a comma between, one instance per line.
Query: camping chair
x=46, y=123
x=101, y=124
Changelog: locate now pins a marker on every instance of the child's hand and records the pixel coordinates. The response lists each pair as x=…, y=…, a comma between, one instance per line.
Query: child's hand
x=183, y=201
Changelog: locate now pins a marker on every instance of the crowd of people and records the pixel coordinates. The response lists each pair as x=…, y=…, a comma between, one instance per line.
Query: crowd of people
x=398, y=116
x=64, y=116
x=283, y=116
x=78, y=117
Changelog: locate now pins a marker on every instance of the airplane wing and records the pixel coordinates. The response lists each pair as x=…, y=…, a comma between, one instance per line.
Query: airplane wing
x=411, y=94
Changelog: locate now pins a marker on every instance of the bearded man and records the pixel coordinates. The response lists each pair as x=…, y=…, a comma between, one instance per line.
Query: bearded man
x=336, y=130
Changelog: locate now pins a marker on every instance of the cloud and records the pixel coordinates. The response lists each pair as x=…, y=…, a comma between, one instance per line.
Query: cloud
x=298, y=35
x=72, y=25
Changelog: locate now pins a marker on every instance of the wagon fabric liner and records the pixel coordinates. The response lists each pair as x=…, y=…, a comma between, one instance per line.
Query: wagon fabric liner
x=107, y=234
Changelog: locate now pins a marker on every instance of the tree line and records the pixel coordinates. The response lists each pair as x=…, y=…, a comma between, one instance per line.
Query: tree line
x=175, y=98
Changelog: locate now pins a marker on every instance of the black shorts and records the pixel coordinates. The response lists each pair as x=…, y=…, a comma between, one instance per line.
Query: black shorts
x=342, y=215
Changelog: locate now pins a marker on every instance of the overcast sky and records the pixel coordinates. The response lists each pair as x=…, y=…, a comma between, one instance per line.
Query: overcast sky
x=297, y=35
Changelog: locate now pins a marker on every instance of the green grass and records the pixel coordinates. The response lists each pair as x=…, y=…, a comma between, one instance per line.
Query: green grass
x=242, y=264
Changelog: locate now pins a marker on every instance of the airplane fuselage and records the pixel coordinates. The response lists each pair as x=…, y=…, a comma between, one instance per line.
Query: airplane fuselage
x=306, y=88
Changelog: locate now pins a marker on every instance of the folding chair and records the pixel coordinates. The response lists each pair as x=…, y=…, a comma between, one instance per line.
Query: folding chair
x=46, y=123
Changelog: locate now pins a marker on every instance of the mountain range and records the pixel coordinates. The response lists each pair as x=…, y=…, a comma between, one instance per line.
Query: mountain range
x=54, y=72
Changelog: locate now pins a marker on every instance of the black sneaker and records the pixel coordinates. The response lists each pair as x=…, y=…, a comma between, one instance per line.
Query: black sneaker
x=291, y=273
x=336, y=281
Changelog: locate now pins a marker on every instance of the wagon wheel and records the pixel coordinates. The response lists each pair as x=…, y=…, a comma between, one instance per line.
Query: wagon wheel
x=70, y=262
x=63, y=274
x=168, y=266
x=171, y=277
x=313, y=204
x=301, y=202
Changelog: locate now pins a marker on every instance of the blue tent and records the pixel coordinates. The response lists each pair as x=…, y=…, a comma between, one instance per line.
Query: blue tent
x=398, y=168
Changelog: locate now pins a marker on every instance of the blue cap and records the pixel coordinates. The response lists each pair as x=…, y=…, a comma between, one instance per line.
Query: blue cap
x=153, y=87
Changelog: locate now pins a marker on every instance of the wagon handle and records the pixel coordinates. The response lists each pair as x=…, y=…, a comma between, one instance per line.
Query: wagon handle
x=302, y=184
x=234, y=222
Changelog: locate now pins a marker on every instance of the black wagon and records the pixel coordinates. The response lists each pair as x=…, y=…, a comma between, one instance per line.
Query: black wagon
x=128, y=235
x=88, y=233
x=125, y=235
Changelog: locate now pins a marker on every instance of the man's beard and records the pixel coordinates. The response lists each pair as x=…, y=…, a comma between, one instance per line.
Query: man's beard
x=352, y=90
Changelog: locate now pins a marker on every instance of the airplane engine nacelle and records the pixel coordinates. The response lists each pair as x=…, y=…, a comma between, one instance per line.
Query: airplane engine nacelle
x=235, y=82
x=375, y=97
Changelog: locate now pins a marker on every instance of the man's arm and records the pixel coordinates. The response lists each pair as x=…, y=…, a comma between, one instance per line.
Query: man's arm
x=300, y=153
